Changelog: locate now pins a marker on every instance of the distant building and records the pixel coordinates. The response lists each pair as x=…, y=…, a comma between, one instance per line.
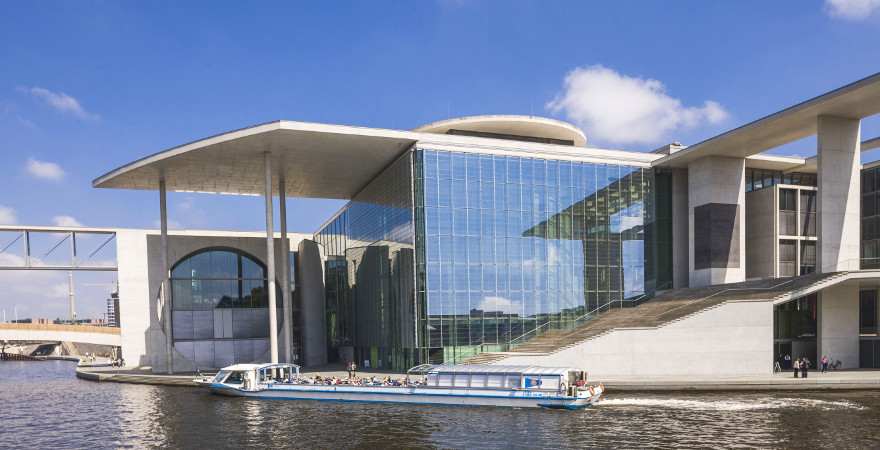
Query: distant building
x=113, y=310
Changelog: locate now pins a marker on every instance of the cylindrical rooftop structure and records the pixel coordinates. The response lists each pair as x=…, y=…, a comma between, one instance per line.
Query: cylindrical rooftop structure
x=513, y=127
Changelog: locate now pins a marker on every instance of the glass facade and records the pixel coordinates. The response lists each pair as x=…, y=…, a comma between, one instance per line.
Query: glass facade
x=509, y=246
x=763, y=178
x=369, y=275
x=220, y=313
x=870, y=254
x=794, y=330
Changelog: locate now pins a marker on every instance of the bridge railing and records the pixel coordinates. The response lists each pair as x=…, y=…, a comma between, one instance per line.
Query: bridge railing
x=59, y=327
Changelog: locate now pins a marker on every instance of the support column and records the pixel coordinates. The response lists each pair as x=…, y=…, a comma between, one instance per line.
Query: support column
x=838, y=324
x=716, y=205
x=839, y=193
x=164, y=298
x=285, y=267
x=680, y=226
x=270, y=260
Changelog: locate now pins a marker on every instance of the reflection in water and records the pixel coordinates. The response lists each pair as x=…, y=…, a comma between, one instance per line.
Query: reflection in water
x=54, y=409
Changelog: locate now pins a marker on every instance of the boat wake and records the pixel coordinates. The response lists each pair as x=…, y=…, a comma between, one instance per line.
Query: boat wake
x=768, y=403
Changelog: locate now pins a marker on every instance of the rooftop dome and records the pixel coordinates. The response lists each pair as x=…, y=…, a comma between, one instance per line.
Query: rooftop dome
x=518, y=128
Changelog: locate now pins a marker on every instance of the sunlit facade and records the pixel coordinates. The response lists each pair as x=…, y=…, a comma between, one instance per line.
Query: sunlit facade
x=448, y=254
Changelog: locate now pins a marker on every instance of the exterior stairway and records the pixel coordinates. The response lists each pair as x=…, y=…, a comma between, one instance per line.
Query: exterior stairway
x=665, y=308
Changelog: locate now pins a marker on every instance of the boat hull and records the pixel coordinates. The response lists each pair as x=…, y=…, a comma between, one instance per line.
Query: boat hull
x=411, y=395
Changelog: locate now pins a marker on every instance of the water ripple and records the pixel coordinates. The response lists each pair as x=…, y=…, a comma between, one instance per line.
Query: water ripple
x=44, y=406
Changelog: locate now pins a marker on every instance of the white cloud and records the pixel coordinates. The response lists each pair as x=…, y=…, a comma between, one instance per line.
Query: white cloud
x=618, y=108
x=7, y=216
x=44, y=169
x=66, y=221
x=60, y=102
x=851, y=9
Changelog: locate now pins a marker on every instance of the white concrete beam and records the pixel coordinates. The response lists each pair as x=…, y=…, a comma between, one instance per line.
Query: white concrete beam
x=839, y=193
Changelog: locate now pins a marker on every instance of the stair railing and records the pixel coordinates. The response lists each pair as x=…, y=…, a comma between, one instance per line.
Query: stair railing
x=572, y=324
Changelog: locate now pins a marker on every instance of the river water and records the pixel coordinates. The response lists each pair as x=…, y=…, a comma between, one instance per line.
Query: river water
x=43, y=405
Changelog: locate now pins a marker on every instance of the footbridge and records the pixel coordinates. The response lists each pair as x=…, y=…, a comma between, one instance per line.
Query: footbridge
x=83, y=334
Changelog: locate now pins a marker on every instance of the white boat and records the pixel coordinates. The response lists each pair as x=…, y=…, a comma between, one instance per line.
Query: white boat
x=475, y=385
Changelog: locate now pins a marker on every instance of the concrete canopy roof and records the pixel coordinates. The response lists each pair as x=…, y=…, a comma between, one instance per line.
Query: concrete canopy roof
x=319, y=161
x=856, y=100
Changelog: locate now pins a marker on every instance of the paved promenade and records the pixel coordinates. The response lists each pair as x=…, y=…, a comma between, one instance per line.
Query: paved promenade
x=843, y=379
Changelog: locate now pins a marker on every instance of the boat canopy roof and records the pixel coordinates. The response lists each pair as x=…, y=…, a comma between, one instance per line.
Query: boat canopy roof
x=246, y=367
x=494, y=369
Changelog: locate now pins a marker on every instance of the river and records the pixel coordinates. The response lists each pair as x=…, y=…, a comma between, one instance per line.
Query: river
x=43, y=405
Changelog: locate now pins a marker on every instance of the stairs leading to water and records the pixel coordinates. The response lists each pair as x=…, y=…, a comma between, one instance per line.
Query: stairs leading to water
x=665, y=308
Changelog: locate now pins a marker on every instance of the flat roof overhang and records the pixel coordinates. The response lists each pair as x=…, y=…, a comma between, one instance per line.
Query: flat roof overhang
x=856, y=100
x=319, y=161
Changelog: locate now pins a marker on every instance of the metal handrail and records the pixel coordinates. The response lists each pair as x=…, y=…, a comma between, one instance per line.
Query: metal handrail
x=513, y=342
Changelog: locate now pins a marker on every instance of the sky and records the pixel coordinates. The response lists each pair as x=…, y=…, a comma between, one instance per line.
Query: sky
x=88, y=86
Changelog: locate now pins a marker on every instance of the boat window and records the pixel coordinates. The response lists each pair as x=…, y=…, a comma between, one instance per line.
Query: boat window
x=235, y=378
x=462, y=379
x=496, y=381
x=513, y=381
x=220, y=376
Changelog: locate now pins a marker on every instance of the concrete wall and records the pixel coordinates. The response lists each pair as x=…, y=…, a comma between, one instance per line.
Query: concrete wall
x=839, y=193
x=717, y=181
x=139, y=256
x=762, y=242
x=733, y=339
x=680, y=229
x=839, y=324
x=137, y=308
x=310, y=295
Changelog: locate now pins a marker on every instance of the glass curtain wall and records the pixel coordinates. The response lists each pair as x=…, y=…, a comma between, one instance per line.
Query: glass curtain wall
x=220, y=313
x=511, y=246
x=369, y=277
x=870, y=255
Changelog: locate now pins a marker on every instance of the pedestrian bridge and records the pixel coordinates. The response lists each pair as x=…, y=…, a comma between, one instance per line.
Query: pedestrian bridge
x=85, y=334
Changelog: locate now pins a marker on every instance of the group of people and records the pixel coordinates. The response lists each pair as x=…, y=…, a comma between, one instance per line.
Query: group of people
x=356, y=381
x=801, y=366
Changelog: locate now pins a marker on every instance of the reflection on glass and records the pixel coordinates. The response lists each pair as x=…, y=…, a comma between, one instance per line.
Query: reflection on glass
x=512, y=244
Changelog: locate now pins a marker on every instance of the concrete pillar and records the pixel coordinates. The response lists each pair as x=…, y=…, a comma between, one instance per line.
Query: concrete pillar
x=839, y=193
x=164, y=291
x=270, y=260
x=838, y=324
x=716, y=228
x=680, y=227
x=310, y=292
x=285, y=267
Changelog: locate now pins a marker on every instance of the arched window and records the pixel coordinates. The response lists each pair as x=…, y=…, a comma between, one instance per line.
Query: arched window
x=218, y=278
x=220, y=312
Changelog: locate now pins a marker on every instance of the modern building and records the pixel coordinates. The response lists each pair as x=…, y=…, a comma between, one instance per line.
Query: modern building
x=509, y=238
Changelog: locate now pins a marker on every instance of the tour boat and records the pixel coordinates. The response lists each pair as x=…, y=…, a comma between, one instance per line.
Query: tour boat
x=475, y=385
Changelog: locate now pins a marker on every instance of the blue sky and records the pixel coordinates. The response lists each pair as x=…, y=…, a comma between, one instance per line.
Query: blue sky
x=88, y=86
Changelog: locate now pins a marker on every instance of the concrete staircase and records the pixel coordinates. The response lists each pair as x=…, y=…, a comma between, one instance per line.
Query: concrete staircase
x=667, y=307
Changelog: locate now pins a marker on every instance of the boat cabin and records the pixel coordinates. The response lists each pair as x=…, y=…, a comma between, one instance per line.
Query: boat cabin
x=502, y=377
x=247, y=376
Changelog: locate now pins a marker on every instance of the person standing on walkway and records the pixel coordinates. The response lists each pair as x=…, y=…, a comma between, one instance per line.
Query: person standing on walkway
x=796, y=365
x=805, y=366
x=824, y=363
